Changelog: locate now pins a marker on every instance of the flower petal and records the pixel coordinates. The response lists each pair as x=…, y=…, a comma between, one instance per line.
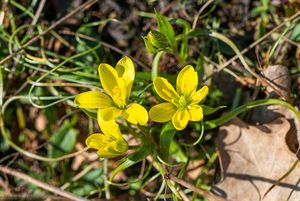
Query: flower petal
x=125, y=69
x=96, y=141
x=108, y=114
x=113, y=149
x=162, y=112
x=111, y=143
x=181, y=119
x=93, y=99
x=199, y=95
x=187, y=81
x=136, y=114
x=108, y=78
x=196, y=113
x=118, y=147
x=164, y=89
x=110, y=129
x=102, y=153
x=119, y=93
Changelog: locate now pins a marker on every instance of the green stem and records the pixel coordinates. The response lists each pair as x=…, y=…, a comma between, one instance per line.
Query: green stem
x=19, y=149
x=54, y=69
x=155, y=64
x=225, y=118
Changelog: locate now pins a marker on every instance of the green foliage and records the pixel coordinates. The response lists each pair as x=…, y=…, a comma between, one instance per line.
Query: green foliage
x=45, y=76
x=166, y=138
x=295, y=36
x=210, y=110
x=63, y=141
x=166, y=28
x=134, y=158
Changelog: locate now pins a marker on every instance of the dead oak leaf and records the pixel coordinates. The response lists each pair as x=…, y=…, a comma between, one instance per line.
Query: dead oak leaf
x=255, y=157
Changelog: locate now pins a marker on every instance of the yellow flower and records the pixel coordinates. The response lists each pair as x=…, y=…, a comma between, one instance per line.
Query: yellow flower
x=117, y=83
x=111, y=143
x=182, y=104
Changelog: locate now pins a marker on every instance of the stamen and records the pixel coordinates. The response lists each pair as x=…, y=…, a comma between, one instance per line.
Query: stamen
x=182, y=101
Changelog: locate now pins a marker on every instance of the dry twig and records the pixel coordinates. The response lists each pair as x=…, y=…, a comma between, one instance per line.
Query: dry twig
x=41, y=184
x=32, y=40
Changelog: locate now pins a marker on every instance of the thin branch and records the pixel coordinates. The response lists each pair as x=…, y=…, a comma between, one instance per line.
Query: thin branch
x=41, y=184
x=36, y=16
x=70, y=33
x=14, y=197
x=193, y=188
x=199, y=13
x=282, y=24
x=80, y=174
x=32, y=40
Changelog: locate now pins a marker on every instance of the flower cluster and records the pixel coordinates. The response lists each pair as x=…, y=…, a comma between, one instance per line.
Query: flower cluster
x=181, y=107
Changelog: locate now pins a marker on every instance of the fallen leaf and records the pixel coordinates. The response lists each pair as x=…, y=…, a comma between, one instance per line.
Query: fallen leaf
x=253, y=158
x=279, y=81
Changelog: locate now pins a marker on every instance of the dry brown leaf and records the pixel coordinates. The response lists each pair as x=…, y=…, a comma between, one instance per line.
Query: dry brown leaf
x=255, y=157
x=279, y=81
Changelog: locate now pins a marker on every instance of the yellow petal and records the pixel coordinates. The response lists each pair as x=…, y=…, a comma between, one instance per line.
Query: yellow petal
x=113, y=149
x=125, y=69
x=199, y=95
x=187, y=81
x=102, y=153
x=107, y=145
x=110, y=128
x=181, y=119
x=196, y=113
x=96, y=141
x=93, y=99
x=108, y=114
x=117, y=147
x=164, y=89
x=119, y=93
x=162, y=112
x=136, y=114
x=108, y=78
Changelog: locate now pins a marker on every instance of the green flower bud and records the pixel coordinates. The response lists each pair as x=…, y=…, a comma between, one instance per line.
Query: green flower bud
x=149, y=46
x=157, y=39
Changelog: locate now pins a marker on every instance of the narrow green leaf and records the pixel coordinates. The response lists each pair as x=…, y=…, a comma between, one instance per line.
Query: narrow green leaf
x=295, y=36
x=166, y=28
x=134, y=158
x=1, y=87
x=166, y=137
x=227, y=117
x=198, y=32
x=177, y=153
x=174, y=190
x=209, y=110
x=92, y=113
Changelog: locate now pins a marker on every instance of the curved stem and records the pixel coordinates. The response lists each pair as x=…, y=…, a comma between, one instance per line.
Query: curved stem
x=19, y=149
x=155, y=64
x=225, y=118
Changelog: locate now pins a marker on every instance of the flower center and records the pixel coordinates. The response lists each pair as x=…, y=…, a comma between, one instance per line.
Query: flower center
x=118, y=98
x=117, y=92
x=182, y=101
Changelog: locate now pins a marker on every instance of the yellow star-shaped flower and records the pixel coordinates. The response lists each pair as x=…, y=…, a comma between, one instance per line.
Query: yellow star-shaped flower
x=109, y=144
x=117, y=83
x=182, y=104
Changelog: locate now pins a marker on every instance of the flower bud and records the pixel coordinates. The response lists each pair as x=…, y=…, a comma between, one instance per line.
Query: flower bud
x=150, y=48
x=157, y=39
